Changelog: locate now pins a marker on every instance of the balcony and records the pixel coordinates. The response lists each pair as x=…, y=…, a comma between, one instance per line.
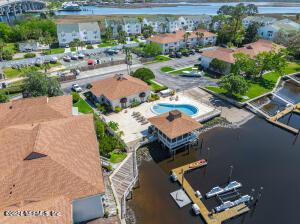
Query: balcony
x=179, y=140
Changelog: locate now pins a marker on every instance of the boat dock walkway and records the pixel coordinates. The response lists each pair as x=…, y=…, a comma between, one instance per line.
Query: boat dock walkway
x=209, y=217
x=274, y=119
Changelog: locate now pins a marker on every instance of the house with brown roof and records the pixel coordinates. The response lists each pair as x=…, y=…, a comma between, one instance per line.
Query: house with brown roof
x=120, y=91
x=50, y=170
x=175, y=41
x=175, y=129
x=227, y=54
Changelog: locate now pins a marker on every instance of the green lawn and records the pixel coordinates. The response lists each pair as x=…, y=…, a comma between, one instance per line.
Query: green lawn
x=177, y=72
x=10, y=47
x=54, y=51
x=155, y=86
x=259, y=87
x=83, y=107
x=117, y=157
x=14, y=73
x=107, y=44
x=166, y=69
x=159, y=58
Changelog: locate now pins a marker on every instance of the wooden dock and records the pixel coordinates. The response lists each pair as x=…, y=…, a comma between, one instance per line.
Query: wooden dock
x=274, y=119
x=208, y=216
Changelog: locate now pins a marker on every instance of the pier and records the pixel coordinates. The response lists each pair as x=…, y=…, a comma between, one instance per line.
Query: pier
x=208, y=216
x=274, y=119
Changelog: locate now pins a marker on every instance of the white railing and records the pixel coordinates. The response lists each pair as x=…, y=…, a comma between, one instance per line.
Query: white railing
x=170, y=145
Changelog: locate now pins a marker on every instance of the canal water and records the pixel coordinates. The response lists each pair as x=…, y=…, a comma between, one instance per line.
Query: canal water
x=262, y=156
x=209, y=8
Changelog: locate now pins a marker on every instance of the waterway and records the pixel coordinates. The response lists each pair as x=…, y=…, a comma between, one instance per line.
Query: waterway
x=207, y=8
x=262, y=156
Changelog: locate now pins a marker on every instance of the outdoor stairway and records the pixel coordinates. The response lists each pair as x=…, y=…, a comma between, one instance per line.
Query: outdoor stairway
x=123, y=180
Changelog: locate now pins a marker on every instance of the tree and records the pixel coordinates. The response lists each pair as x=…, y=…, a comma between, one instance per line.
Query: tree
x=219, y=66
x=39, y=84
x=5, y=32
x=244, y=65
x=199, y=36
x=251, y=34
x=147, y=31
x=186, y=36
x=144, y=74
x=234, y=84
x=108, y=32
x=291, y=41
x=3, y=98
x=128, y=59
x=47, y=39
x=77, y=43
x=122, y=37
x=113, y=125
x=152, y=49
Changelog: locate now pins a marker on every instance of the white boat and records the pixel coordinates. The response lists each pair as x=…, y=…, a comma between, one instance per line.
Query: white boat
x=214, y=191
x=232, y=185
x=174, y=177
x=196, y=209
x=244, y=199
x=224, y=206
x=70, y=6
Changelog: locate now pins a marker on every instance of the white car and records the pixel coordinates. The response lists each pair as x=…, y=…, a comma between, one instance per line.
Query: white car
x=76, y=88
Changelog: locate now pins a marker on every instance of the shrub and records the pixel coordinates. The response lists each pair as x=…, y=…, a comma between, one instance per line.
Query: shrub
x=118, y=109
x=135, y=104
x=73, y=49
x=76, y=97
x=89, y=46
x=29, y=55
x=144, y=74
x=153, y=97
x=89, y=86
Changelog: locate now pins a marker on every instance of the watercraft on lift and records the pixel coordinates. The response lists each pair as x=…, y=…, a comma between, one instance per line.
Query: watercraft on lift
x=196, y=209
x=218, y=190
x=174, y=177
x=229, y=204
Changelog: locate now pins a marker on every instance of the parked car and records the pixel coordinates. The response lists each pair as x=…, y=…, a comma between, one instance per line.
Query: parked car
x=81, y=56
x=66, y=58
x=186, y=53
x=53, y=60
x=178, y=55
x=67, y=46
x=76, y=88
x=172, y=55
x=74, y=57
x=198, y=50
x=192, y=52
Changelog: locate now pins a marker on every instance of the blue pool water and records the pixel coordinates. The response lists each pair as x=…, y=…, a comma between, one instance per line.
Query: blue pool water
x=188, y=109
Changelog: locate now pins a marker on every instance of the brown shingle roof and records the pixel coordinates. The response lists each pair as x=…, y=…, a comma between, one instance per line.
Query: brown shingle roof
x=253, y=49
x=175, y=123
x=55, y=156
x=59, y=204
x=178, y=36
x=116, y=88
x=35, y=110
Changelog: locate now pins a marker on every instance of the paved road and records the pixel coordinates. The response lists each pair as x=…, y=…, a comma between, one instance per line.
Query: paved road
x=176, y=81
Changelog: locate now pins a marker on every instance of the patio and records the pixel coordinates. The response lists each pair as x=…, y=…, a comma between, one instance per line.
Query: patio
x=135, y=130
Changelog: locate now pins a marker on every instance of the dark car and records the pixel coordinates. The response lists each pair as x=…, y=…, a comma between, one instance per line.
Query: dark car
x=172, y=55
x=192, y=52
x=178, y=55
x=186, y=53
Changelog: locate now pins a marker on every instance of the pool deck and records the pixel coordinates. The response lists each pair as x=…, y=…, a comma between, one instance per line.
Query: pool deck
x=134, y=130
x=207, y=216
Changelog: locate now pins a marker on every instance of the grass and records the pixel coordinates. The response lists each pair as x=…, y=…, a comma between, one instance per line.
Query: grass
x=166, y=69
x=11, y=73
x=177, y=72
x=159, y=58
x=10, y=47
x=155, y=86
x=83, y=107
x=54, y=51
x=117, y=157
x=73, y=49
x=261, y=86
x=106, y=43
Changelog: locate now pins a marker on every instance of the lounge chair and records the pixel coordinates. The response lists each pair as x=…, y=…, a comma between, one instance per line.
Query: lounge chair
x=145, y=122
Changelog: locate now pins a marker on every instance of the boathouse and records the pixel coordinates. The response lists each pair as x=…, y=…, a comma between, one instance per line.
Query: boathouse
x=175, y=129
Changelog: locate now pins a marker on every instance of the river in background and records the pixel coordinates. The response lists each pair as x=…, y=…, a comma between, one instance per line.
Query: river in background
x=206, y=8
x=262, y=155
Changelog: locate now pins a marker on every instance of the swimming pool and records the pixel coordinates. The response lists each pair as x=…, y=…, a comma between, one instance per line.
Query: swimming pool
x=188, y=109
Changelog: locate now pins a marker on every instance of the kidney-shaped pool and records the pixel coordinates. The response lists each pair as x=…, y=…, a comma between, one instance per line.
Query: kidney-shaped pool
x=188, y=109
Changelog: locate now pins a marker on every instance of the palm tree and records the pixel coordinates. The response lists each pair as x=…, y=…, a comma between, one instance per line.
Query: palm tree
x=128, y=59
x=2, y=45
x=163, y=26
x=186, y=36
x=47, y=39
x=46, y=67
x=77, y=43
x=199, y=36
